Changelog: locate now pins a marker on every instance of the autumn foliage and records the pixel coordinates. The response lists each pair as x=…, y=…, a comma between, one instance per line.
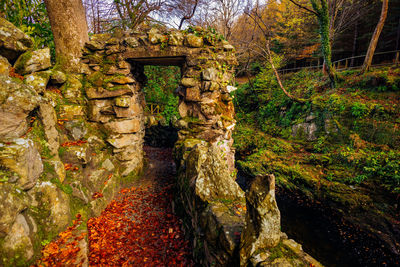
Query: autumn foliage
x=138, y=229
x=64, y=250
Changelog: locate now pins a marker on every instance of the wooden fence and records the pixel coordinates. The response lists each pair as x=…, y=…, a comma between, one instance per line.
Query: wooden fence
x=153, y=108
x=380, y=59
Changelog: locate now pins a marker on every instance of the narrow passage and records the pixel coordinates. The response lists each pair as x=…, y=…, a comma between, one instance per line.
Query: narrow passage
x=138, y=227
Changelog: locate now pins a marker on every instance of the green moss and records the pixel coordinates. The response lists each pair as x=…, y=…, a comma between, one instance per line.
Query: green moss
x=21, y=62
x=65, y=188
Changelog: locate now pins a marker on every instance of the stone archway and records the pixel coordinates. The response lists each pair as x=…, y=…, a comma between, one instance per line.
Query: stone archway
x=114, y=68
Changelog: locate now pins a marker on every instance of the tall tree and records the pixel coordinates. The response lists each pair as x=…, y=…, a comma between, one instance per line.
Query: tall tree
x=321, y=11
x=134, y=12
x=69, y=27
x=375, y=37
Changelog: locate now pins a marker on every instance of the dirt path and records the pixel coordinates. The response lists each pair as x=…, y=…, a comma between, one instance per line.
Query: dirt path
x=138, y=227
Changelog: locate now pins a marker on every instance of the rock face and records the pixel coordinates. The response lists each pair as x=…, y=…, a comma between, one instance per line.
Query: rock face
x=13, y=41
x=16, y=101
x=33, y=61
x=205, y=188
x=22, y=158
x=12, y=202
x=18, y=239
x=209, y=171
x=263, y=220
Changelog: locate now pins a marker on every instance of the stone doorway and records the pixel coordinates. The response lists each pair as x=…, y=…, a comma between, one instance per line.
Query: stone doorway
x=114, y=65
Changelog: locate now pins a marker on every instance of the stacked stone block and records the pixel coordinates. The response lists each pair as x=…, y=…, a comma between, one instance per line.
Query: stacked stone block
x=114, y=65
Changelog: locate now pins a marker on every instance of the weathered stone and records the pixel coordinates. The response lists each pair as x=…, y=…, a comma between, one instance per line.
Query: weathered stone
x=71, y=111
x=129, y=153
x=4, y=66
x=192, y=94
x=48, y=117
x=96, y=110
x=115, y=49
x=38, y=81
x=155, y=37
x=135, y=165
x=71, y=90
x=108, y=165
x=192, y=40
x=210, y=86
x=12, y=202
x=123, y=126
x=188, y=82
x=13, y=41
x=114, y=70
x=76, y=154
x=131, y=42
x=305, y=130
x=99, y=92
x=176, y=38
x=16, y=101
x=58, y=77
x=76, y=129
x=263, y=220
x=22, y=157
x=207, y=168
x=209, y=74
x=95, y=45
x=123, y=101
x=53, y=202
x=122, y=80
x=124, y=140
x=18, y=240
x=79, y=192
x=33, y=61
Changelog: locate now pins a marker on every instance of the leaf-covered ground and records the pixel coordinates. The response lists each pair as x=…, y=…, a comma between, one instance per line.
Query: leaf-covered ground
x=138, y=228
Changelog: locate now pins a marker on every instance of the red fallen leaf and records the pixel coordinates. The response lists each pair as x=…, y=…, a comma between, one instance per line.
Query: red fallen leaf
x=13, y=74
x=97, y=195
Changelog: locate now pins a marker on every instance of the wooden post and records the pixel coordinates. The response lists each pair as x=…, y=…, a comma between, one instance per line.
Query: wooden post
x=397, y=58
x=347, y=64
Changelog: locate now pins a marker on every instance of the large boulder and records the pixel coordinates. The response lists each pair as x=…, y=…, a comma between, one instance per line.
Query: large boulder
x=33, y=61
x=209, y=171
x=13, y=41
x=4, y=66
x=12, y=202
x=263, y=220
x=16, y=101
x=51, y=207
x=18, y=240
x=22, y=158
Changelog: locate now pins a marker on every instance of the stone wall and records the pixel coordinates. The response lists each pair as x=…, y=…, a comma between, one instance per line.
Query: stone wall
x=54, y=162
x=114, y=68
x=68, y=142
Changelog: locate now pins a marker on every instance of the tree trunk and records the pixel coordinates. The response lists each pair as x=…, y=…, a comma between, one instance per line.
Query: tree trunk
x=355, y=37
x=69, y=27
x=375, y=37
x=322, y=13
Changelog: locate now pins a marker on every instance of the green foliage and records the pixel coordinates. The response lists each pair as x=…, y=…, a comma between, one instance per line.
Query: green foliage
x=31, y=17
x=359, y=110
x=160, y=87
x=383, y=166
x=170, y=111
